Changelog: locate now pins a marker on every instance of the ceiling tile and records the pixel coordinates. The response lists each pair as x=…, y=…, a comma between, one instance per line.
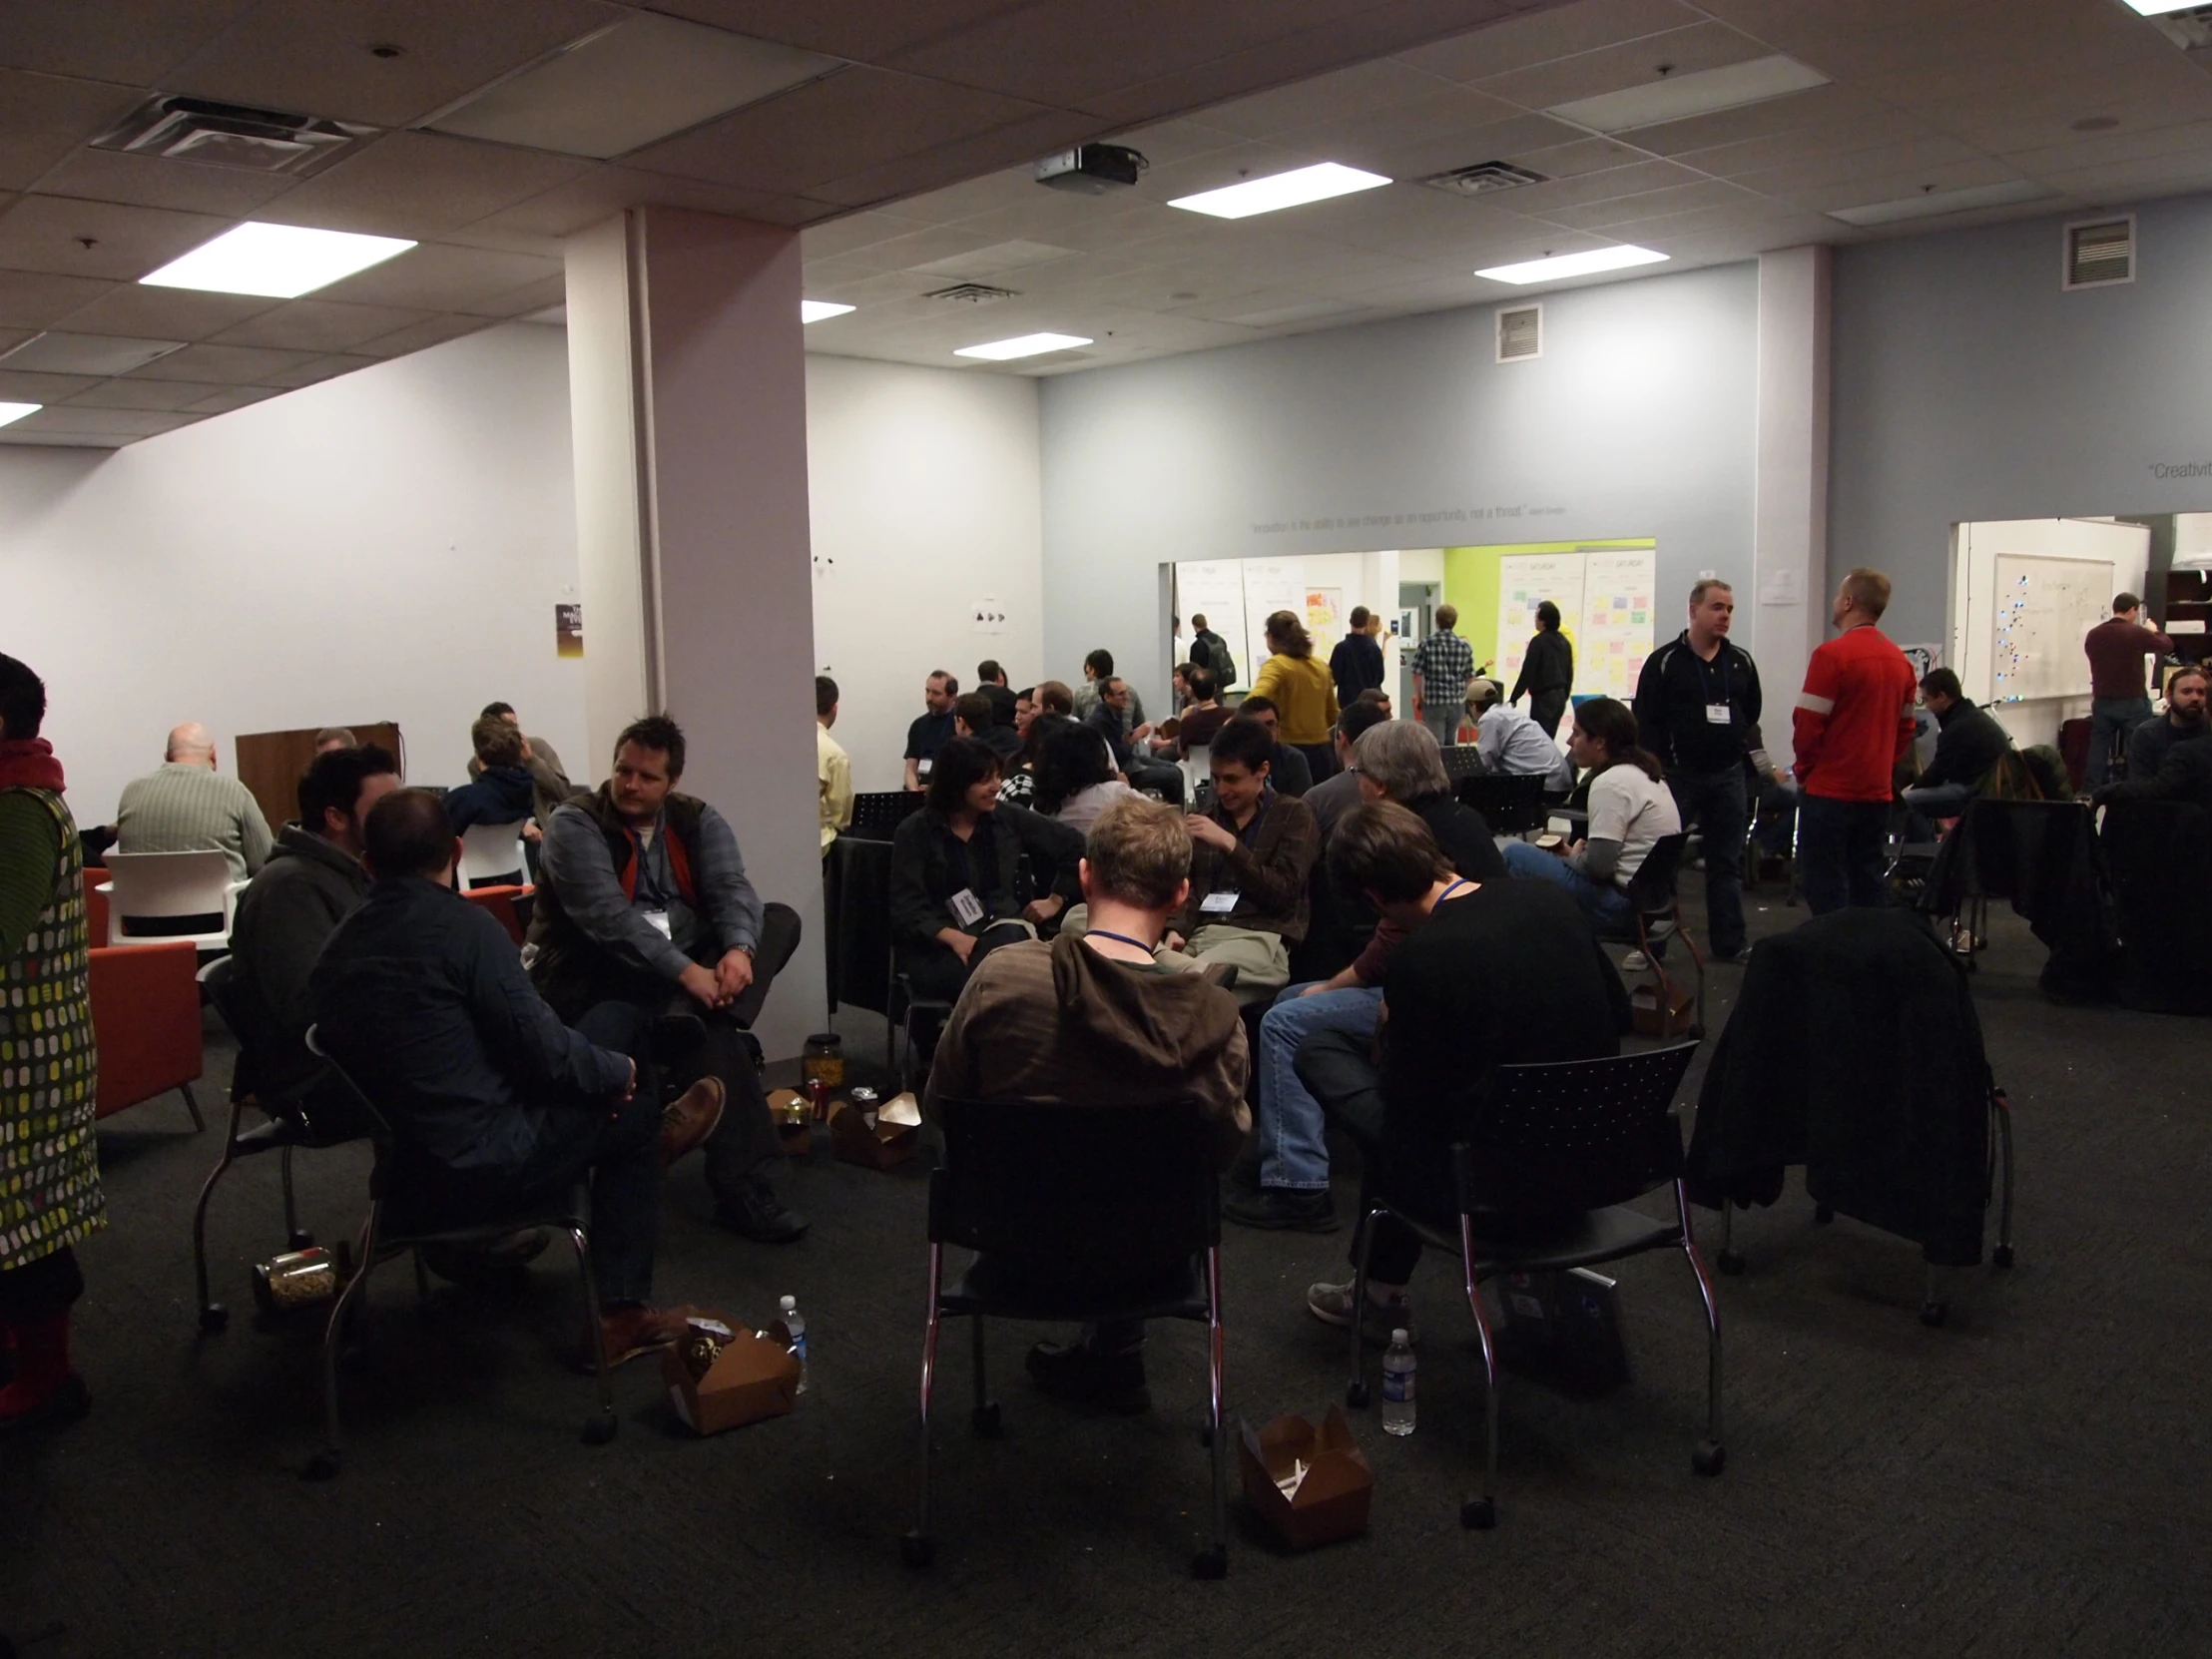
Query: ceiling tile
x=1562, y=32
x=48, y=233
x=1864, y=191
x=600, y=194
x=316, y=60
x=156, y=182
x=2165, y=92
x=22, y=386
x=1572, y=159
x=225, y=365
x=318, y=325
x=1606, y=185
x=865, y=34
x=71, y=417
x=167, y=314
x=2116, y=148
x=40, y=300
x=1706, y=193
x=841, y=235
x=417, y=336
x=1825, y=106
x=521, y=302
x=60, y=441
x=1921, y=155
x=437, y=276
x=231, y=398
x=1615, y=68
x=322, y=369
x=1380, y=88
x=1876, y=131
x=421, y=185
x=1017, y=141
x=44, y=116
x=141, y=395
x=2136, y=180
x=125, y=41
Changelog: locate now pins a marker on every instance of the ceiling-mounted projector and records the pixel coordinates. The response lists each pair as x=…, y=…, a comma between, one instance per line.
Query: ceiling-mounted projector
x=1091, y=169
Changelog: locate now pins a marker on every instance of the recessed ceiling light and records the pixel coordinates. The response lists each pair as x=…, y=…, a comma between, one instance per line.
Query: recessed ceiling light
x=1283, y=189
x=1678, y=97
x=1022, y=345
x=12, y=412
x=813, y=311
x=1572, y=265
x=1933, y=203
x=2159, y=8
x=280, y=262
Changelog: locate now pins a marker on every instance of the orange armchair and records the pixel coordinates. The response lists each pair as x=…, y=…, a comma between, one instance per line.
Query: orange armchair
x=145, y=1018
x=95, y=905
x=500, y=901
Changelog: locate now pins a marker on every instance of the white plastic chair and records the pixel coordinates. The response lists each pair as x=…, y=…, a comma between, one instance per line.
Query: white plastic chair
x=1197, y=766
x=493, y=856
x=147, y=890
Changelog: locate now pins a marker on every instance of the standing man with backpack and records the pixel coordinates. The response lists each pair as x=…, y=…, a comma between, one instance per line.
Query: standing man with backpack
x=1210, y=650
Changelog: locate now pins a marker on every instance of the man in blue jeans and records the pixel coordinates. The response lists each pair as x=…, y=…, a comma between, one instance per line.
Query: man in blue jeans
x=1386, y=853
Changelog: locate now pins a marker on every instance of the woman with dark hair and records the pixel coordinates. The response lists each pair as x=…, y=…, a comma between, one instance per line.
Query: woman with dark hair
x=1630, y=809
x=956, y=879
x=1304, y=695
x=1546, y=670
x=1077, y=780
x=1020, y=786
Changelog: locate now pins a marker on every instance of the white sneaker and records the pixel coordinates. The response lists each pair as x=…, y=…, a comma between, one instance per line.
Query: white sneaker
x=1634, y=963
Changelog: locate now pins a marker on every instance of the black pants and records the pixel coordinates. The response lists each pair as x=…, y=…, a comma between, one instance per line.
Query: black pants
x=617, y=1149
x=1839, y=846
x=1717, y=801
x=1321, y=757
x=40, y=1289
x=1545, y=707
x=744, y=1147
x=939, y=975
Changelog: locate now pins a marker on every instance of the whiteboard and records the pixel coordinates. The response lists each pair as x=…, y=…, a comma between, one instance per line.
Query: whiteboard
x=1269, y=585
x=2043, y=607
x=1524, y=581
x=1214, y=589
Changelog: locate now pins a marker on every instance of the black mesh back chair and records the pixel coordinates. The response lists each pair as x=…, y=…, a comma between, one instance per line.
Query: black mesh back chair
x=387, y=1235
x=1118, y=1207
x=1655, y=923
x=877, y=817
x=1510, y=804
x=1580, y=1139
x=1463, y=759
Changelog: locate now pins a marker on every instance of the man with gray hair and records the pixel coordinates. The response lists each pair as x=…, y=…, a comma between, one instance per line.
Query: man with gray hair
x=189, y=806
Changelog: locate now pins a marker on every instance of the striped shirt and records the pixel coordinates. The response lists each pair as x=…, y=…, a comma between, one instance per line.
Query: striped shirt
x=1446, y=663
x=185, y=808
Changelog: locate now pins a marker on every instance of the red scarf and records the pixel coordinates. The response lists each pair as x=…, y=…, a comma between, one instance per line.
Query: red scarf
x=29, y=764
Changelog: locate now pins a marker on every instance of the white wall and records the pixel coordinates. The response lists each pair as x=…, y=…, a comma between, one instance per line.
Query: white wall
x=385, y=546
x=924, y=491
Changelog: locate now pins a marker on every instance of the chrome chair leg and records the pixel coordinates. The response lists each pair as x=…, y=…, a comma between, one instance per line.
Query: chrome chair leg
x=600, y=1427
x=1212, y=1559
x=214, y=1316
x=1481, y=1510
x=1710, y=1455
x=295, y=1237
x=919, y=1547
x=323, y=1465
x=984, y=1417
x=1356, y=1394
x=192, y=1105
x=2002, y=1109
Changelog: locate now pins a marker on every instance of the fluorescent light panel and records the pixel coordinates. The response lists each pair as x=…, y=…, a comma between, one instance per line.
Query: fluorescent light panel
x=2159, y=8
x=1022, y=345
x=12, y=412
x=1936, y=203
x=814, y=311
x=1283, y=189
x=279, y=262
x=1572, y=265
x=1702, y=91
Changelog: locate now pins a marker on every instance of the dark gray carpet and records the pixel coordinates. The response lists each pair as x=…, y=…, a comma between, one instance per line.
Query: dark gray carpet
x=2031, y=1479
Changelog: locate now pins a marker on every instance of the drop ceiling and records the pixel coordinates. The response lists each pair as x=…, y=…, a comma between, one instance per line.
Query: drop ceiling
x=904, y=149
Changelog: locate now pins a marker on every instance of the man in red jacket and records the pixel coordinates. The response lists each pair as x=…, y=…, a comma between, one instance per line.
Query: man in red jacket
x=1853, y=724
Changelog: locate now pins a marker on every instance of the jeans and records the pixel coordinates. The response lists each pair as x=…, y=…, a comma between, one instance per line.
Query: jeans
x=1292, y=1150
x=1605, y=904
x=1443, y=720
x=2110, y=716
x=1939, y=800
x=1717, y=801
x=1840, y=847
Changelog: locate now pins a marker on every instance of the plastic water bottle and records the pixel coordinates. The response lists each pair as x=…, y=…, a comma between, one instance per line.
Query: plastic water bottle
x=1397, y=1385
x=792, y=1330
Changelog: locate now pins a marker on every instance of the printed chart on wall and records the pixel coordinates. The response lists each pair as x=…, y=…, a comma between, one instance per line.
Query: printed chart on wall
x=1525, y=581
x=2043, y=608
x=1616, y=622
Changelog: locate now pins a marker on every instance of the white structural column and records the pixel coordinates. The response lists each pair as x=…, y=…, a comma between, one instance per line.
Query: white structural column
x=688, y=389
x=1788, y=607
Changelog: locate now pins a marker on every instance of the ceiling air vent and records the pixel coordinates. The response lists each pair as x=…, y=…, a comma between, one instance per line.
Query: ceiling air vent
x=975, y=294
x=1520, y=334
x=2100, y=253
x=1483, y=177
x=230, y=135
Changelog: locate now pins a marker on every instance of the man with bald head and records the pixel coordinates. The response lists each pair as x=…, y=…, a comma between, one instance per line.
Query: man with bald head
x=189, y=806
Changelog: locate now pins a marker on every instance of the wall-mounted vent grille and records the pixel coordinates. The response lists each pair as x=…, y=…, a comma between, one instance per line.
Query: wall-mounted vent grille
x=230, y=135
x=2100, y=253
x=1520, y=334
x=1483, y=177
x=975, y=294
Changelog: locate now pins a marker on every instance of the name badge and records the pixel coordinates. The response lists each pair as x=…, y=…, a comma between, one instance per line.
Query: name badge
x=1716, y=713
x=967, y=909
x=922, y=765
x=1219, y=904
x=659, y=918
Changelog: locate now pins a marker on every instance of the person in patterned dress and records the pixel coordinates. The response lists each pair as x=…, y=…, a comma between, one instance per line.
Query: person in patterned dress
x=49, y=1164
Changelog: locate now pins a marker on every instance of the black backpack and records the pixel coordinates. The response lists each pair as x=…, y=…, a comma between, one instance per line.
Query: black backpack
x=1216, y=657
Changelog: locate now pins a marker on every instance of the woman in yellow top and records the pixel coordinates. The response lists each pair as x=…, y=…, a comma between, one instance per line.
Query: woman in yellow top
x=1304, y=695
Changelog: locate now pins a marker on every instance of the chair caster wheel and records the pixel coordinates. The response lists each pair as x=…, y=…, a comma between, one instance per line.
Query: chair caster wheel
x=323, y=1465
x=1478, y=1514
x=1823, y=1215
x=303, y=1239
x=1709, y=1458
x=1355, y=1396
x=215, y=1318
x=2001, y=1256
x=918, y=1549
x=1729, y=1263
x=985, y=1421
x=1934, y=1314
x=600, y=1429
x=1211, y=1563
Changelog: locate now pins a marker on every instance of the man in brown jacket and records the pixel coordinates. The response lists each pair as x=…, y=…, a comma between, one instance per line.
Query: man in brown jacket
x=1096, y=1023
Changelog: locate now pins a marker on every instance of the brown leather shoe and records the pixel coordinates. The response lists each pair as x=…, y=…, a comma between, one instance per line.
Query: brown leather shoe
x=689, y=1119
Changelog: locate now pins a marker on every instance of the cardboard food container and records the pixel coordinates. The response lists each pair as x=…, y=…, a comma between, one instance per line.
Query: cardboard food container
x=750, y=1379
x=883, y=1141
x=794, y=1115
x=1309, y=1485
x=1651, y=1019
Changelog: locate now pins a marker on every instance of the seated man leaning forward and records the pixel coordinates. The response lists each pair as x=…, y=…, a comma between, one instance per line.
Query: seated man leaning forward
x=498, y=1109
x=1385, y=853
x=644, y=933
x=1097, y=1024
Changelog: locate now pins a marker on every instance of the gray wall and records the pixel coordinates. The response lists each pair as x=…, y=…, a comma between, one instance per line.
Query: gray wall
x=1637, y=421
x=1969, y=387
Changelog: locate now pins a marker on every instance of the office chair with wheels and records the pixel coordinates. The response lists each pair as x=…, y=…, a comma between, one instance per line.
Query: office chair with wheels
x=1580, y=1139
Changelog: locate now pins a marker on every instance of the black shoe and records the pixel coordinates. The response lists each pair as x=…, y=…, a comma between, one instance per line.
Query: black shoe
x=755, y=1210
x=1280, y=1209
x=676, y=1035
x=71, y=1400
x=1114, y=1382
x=1244, y=1174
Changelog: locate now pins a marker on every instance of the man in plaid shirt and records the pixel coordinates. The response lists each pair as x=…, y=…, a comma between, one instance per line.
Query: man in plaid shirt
x=1441, y=669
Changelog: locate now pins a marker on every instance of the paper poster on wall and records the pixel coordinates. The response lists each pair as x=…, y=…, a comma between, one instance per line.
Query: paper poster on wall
x=1926, y=659
x=568, y=630
x=1325, y=609
x=1616, y=622
x=1269, y=585
x=1214, y=589
x=1524, y=581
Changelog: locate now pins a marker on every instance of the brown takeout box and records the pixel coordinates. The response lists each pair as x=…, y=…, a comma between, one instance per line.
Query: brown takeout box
x=750, y=1379
x=1329, y=1503
x=796, y=1131
x=877, y=1145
